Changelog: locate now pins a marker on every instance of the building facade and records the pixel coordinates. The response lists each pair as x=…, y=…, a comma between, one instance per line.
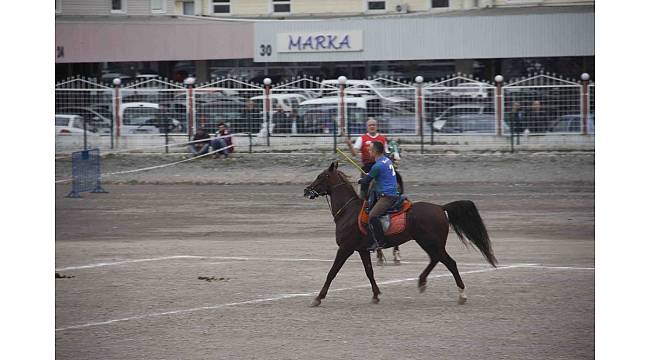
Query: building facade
x=253, y=39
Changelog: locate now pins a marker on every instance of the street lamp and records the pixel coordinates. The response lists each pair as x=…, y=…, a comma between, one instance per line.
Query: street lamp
x=189, y=81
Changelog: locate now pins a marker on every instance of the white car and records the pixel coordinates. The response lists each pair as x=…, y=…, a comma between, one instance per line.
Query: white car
x=460, y=110
x=386, y=94
x=288, y=102
x=96, y=121
x=320, y=115
x=139, y=118
x=69, y=125
x=470, y=89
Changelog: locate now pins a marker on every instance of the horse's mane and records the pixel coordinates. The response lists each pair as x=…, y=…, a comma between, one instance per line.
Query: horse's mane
x=346, y=180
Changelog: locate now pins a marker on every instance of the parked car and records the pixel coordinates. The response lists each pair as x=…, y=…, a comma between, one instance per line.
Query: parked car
x=397, y=120
x=284, y=110
x=95, y=120
x=209, y=115
x=65, y=124
x=386, y=94
x=317, y=116
x=461, y=109
x=216, y=94
x=470, y=90
x=288, y=102
x=140, y=118
x=572, y=124
x=176, y=112
x=472, y=124
x=142, y=96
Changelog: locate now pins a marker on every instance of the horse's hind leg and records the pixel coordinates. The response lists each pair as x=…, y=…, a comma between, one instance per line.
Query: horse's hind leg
x=433, y=255
x=367, y=265
x=381, y=259
x=451, y=265
x=397, y=259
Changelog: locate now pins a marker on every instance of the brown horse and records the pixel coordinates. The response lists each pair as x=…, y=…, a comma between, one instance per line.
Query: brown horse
x=427, y=223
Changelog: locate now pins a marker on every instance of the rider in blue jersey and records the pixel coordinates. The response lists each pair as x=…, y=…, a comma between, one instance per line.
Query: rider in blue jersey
x=385, y=190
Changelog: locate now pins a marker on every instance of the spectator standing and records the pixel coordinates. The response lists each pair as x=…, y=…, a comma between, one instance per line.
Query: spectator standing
x=252, y=117
x=537, y=118
x=281, y=120
x=516, y=120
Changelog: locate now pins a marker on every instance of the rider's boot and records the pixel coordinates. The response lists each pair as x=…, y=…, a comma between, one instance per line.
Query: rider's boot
x=377, y=234
x=372, y=243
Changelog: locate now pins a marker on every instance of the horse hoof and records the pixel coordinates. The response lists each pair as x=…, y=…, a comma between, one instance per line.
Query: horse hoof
x=422, y=288
x=375, y=300
x=396, y=261
x=462, y=298
x=315, y=302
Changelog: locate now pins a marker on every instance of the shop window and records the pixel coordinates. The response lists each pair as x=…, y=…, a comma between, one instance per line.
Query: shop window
x=376, y=5
x=439, y=3
x=158, y=6
x=281, y=6
x=221, y=6
x=188, y=7
x=118, y=6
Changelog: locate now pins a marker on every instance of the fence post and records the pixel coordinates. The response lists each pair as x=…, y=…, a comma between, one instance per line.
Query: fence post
x=498, y=98
x=584, y=109
x=116, y=113
x=189, y=81
x=267, y=109
x=419, y=111
x=342, y=115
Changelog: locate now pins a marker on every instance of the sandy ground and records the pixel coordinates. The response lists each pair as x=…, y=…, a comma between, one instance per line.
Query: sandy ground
x=136, y=255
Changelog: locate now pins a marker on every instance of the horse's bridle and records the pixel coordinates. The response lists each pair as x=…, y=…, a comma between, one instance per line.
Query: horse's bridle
x=314, y=194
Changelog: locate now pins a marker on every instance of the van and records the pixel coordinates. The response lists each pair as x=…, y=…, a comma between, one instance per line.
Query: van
x=320, y=116
x=284, y=109
x=472, y=90
x=287, y=102
x=140, y=118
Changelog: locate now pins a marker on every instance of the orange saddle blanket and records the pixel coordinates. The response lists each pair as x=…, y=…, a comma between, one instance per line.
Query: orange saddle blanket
x=397, y=220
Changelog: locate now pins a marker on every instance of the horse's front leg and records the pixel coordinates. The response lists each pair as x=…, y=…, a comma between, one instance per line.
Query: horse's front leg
x=367, y=264
x=341, y=256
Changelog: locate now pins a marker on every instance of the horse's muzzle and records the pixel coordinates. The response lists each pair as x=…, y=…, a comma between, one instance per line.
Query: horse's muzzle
x=311, y=193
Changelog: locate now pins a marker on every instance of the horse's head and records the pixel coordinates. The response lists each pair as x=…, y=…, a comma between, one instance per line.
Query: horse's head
x=324, y=182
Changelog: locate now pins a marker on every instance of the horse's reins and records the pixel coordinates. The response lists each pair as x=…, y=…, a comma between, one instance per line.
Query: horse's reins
x=342, y=207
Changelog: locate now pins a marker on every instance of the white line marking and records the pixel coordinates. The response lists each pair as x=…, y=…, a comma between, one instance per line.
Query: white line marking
x=272, y=298
x=537, y=266
x=102, y=264
x=242, y=258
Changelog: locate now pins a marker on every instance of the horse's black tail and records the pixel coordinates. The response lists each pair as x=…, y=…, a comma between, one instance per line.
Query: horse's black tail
x=466, y=221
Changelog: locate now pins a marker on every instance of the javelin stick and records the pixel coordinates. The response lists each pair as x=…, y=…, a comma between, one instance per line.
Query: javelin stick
x=351, y=161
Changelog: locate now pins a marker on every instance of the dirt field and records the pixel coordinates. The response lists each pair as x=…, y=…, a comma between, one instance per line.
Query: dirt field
x=136, y=254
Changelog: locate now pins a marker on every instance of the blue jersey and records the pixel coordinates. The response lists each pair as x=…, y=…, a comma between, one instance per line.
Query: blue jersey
x=384, y=174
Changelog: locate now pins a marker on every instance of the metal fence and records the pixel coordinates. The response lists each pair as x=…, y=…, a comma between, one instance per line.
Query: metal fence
x=456, y=112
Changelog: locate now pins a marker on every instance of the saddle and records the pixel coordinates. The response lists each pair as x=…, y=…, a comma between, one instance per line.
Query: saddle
x=393, y=223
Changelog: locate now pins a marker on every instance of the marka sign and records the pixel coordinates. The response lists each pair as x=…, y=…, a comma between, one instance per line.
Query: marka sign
x=320, y=42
